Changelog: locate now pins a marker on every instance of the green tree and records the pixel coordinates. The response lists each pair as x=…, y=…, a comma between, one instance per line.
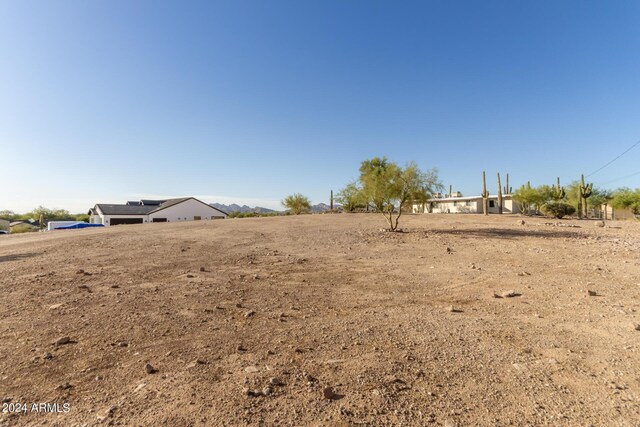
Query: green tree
x=297, y=203
x=388, y=186
x=626, y=198
x=351, y=197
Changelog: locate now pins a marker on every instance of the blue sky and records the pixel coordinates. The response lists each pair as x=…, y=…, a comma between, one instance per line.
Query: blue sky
x=249, y=101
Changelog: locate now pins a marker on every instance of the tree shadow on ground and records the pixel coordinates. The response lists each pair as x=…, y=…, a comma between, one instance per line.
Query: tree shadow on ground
x=16, y=257
x=510, y=233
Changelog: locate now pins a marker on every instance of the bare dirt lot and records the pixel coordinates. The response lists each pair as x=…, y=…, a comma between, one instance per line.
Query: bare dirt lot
x=323, y=320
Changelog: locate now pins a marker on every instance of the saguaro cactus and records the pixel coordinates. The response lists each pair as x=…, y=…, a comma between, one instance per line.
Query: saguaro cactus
x=485, y=195
x=331, y=202
x=507, y=190
x=585, y=193
x=499, y=195
x=558, y=192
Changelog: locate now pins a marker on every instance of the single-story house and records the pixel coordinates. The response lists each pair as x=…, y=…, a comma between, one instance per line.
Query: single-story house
x=31, y=225
x=4, y=224
x=143, y=211
x=461, y=204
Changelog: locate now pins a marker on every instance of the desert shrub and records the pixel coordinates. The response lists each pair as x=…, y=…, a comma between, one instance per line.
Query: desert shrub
x=23, y=228
x=558, y=209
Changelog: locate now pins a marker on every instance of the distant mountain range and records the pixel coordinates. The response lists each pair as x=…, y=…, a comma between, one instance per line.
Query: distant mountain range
x=244, y=209
x=319, y=208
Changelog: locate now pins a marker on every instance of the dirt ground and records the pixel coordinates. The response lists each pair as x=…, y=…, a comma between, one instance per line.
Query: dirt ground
x=323, y=320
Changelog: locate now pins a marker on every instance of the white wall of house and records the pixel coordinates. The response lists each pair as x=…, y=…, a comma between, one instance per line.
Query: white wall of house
x=188, y=210
x=106, y=219
x=466, y=205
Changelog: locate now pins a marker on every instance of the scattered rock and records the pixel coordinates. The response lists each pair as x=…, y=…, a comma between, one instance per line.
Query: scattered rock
x=524, y=273
x=241, y=348
x=139, y=387
x=47, y=356
x=81, y=271
x=600, y=224
x=251, y=393
x=256, y=277
x=150, y=369
x=123, y=344
x=190, y=276
x=55, y=306
x=509, y=294
x=115, y=286
x=65, y=386
x=267, y=391
x=275, y=381
x=203, y=269
x=328, y=393
x=592, y=293
x=636, y=326
x=449, y=250
x=521, y=222
x=452, y=309
x=63, y=341
x=251, y=369
x=249, y=313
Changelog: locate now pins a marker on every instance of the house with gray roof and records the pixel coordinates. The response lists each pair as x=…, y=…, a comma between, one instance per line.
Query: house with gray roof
x=144, y=211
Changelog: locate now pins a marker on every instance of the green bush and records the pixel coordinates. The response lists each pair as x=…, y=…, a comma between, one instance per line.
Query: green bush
x=558, y=209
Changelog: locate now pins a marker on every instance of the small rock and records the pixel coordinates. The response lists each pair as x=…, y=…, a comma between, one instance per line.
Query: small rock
x=190, y=276
x=328, y=393
x=592, y=293
x=524, y=273
x=203, y=269
x=54, y=306
x=81, y=271
x=139, y=387
x=65, y=386
x=249, y=313
x=521, y=222
x=115, y=286
x=267, y=391
x=256, y=277
x=123, y=344
x=47, y=356
x=449, y=250
x=150, y=369
x=241, y=348
x=510, y=294
x=600, y=224
x=251, y=369
x=636, y=326
x=452, y=309
x=63, y=341
x=275, y=381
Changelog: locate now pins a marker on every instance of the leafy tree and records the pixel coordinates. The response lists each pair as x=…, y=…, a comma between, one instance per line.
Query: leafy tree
x=626, y=198
x=351, y=197
x=558, y=209
x=297, y=203
x=388, y=186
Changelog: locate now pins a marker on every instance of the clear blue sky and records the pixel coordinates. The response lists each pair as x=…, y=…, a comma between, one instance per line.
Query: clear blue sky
x=249, y=101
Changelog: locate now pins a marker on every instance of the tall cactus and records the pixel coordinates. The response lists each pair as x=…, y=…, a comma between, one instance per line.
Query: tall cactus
x=331, y=202
x=485, y=195
x=585, y=193
x=558, y=192
x=499, y=195
x=507, y=190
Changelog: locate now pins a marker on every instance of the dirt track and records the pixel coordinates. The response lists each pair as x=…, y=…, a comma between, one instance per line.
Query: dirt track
x=324, y=301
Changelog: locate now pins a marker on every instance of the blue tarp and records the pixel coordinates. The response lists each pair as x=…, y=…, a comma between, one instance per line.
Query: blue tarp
x=79, y=225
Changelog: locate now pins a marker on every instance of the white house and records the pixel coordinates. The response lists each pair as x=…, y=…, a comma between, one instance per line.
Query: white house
x=143, y=211
x=460, y=204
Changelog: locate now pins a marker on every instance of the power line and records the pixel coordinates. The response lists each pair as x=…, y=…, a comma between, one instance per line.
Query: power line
x=621, y=178
x=623, y=153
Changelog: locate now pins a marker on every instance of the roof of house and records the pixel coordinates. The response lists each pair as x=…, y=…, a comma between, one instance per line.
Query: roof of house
x=107, y=209
x=145, y=207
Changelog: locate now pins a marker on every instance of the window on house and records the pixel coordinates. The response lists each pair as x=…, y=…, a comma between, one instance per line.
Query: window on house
x=197, y=218
x=455, y=203
x=492, y=203
x=467, y=203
